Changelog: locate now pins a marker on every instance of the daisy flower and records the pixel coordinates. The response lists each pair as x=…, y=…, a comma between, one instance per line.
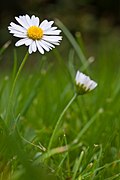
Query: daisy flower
x=83, y=83
x=35, y=34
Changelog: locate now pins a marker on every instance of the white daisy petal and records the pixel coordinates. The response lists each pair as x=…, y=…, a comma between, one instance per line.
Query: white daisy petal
x=56, y=43
x=16, y=32
x=35, y=20
x=23, y=18
x=93, y=85
x=20, y=42
x=83, y=83
x=21, y=22
x=34, y=48
x=84, y=78
x=30, y=49
x=43, y=24
x=44, y=46
x=28, y=20
x=28, y=42
x=48, y=44
x=53, y=28
x=88, y=82
x=52, y=38
x=77, y=77
x=46, y=25
x=19, y=35
x=51, y=32
x=39, y=47
x=50, y=23
x=16, y=27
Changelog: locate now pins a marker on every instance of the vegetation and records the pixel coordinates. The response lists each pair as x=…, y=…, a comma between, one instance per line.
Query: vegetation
x=86, y=144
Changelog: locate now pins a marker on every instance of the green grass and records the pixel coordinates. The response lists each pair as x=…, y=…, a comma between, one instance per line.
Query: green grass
x=87, y=142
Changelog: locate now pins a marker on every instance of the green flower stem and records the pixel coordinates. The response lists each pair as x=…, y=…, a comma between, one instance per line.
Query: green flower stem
x=59, y=120
x=15, y=80
x=17, y=75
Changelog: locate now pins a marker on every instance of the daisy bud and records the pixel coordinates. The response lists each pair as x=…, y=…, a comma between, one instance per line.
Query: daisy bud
x=84, y=84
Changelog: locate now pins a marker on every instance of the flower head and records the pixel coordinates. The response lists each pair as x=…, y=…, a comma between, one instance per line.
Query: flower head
x=36, y=35
x=83, y=83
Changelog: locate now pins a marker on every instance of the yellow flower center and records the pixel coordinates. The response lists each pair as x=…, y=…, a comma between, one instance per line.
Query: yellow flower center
x=35, y=33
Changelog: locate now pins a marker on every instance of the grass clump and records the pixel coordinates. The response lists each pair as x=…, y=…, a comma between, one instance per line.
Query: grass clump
x=86, y=144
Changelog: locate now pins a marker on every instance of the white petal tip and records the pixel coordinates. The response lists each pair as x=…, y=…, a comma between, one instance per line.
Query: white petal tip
x=16, y=44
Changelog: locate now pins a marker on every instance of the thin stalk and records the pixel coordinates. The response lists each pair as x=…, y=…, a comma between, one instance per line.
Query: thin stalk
x=77, y=165
x=74, y=43
x=15, y=80
x=14, y=65
x=18, y=73
x=59, y=120
x=107, y=165
x=85, y=128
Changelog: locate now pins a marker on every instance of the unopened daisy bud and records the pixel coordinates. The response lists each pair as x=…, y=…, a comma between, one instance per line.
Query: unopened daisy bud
x=84, y=84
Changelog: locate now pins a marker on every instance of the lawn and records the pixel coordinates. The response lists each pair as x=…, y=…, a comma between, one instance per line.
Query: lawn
x=86, y=144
